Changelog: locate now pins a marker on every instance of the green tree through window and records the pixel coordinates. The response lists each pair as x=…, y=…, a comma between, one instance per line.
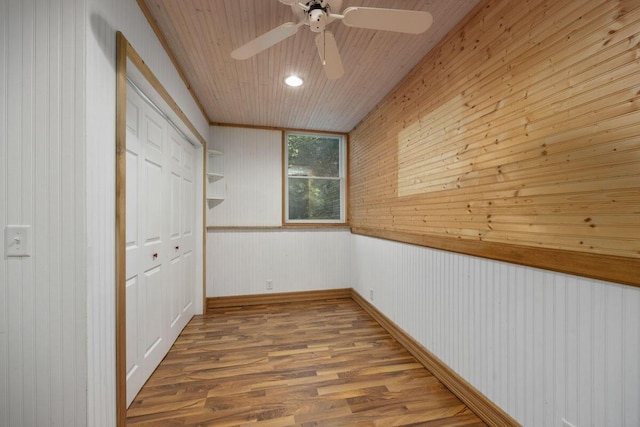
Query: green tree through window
x=315, y=178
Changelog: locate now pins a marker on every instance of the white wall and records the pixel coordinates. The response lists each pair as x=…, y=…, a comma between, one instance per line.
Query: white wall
x=57, y=173
x=43, y=364
x=240, y=261
x=252, y=167
x=542, y=345
x=103, y=19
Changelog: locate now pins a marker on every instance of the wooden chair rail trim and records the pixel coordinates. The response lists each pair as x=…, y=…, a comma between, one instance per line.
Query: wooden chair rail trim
x=283, y=297
x=484, y=408
x=610, y=268
x=309, y=226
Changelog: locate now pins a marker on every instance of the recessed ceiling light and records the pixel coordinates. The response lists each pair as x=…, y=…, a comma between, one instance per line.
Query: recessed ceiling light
x=293, y=81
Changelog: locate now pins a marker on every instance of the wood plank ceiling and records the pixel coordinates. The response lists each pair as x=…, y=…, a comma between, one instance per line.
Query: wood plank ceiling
x=201, y=34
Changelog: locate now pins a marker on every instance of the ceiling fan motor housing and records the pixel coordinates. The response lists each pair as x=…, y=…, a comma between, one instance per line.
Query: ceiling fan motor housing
x=317, y=17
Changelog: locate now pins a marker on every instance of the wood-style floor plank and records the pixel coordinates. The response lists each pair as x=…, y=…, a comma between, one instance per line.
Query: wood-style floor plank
x=318, y=363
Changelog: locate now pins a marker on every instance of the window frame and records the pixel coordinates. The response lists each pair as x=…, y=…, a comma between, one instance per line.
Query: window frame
x=342, y=177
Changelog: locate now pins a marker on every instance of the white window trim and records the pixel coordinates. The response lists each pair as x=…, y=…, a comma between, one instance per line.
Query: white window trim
x=341, y=176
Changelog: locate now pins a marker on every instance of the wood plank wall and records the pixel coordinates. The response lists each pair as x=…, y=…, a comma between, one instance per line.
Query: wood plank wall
x=520, y=130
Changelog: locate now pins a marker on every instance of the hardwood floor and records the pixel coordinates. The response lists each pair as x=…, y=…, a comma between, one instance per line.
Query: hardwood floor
x=320, y=363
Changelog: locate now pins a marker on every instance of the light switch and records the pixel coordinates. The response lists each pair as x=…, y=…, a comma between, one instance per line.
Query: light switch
x=17, y=240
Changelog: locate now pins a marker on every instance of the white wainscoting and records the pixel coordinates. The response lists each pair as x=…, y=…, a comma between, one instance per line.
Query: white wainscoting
x=101, y=20
x=240, y=262
x=57, y=163
x=252, y=167
x=542, y=345
x=43, y=361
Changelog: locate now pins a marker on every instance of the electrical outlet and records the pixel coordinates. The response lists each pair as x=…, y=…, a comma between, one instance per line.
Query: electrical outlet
x=566, y=423
x=269, y=285
x=370, y=294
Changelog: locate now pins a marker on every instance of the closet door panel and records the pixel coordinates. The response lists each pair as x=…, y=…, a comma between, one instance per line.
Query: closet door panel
x=160, y=240
x=188, y=206
x=146, y=233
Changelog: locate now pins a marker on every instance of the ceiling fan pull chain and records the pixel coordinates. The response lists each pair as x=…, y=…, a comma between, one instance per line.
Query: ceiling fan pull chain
x=324, y=47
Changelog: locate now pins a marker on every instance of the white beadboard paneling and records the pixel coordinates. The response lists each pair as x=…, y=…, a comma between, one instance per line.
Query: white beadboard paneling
x=252, y=177
x=613, y=356
x=630, y=351
x=240, y=262
x=542, y=345
x=4, y=361
x=4, y=380
x=57, y=161
x=43, y=357
x=102, y=20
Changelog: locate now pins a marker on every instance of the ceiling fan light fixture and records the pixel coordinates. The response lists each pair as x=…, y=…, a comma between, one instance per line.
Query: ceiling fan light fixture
x=293, y=81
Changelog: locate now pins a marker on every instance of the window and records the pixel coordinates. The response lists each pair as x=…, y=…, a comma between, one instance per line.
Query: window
x=315, y=178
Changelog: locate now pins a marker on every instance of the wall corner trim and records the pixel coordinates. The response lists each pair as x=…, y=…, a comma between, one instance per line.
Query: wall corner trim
x=488, y=411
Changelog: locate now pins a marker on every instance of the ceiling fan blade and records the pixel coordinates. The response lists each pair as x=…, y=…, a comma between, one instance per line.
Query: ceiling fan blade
x=266, y=40
x=402, y=21
x=288, y=2
x=329, y=55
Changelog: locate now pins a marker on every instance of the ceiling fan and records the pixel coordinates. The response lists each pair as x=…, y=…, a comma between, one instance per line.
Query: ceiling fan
x=317, y=14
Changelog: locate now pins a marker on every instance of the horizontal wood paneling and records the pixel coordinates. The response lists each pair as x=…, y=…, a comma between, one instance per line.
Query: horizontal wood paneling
x=541, y=345
x=520, y=129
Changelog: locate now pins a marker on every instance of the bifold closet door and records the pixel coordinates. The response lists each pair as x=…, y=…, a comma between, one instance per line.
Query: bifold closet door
x=160, y=240
x=181, y=210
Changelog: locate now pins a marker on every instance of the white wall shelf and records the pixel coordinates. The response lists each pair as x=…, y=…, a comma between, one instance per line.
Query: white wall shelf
x=215, y=176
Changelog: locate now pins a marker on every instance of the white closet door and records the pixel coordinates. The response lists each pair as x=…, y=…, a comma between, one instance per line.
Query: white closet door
x=180, y=244
x=187, y=289
x=159, y=263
